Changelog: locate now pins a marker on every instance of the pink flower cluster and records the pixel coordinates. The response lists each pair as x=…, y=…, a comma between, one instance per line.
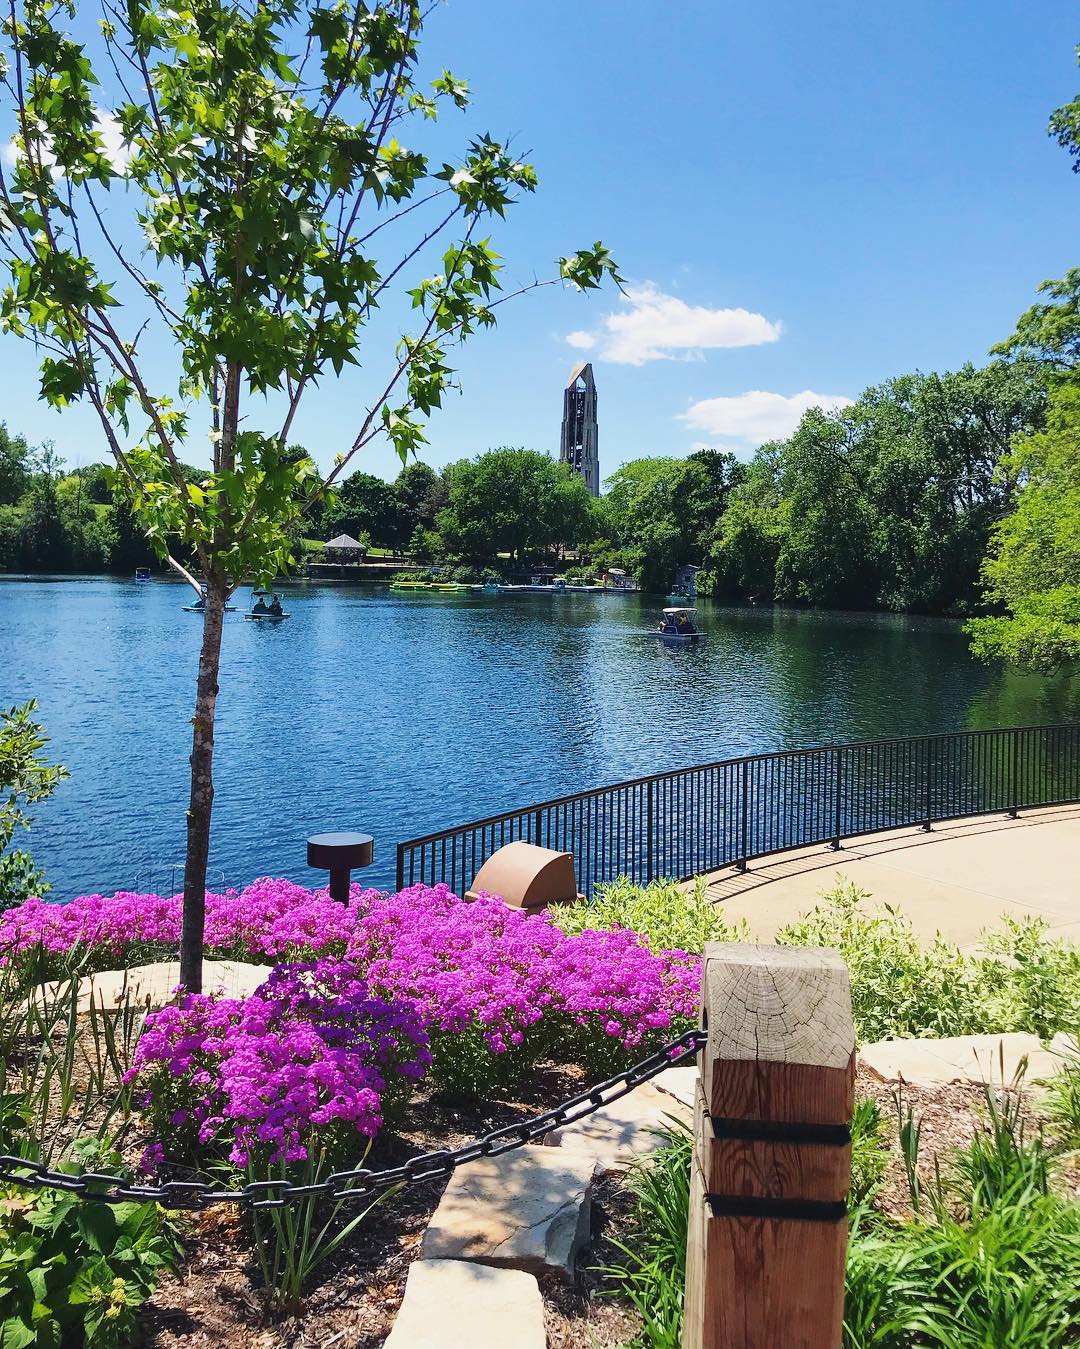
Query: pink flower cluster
x=271, y=919
x=485, y=979
x=504, y=970
x=310, y=1053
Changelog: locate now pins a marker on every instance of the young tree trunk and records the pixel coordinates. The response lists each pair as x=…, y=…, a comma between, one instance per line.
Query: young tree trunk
x=202, y=787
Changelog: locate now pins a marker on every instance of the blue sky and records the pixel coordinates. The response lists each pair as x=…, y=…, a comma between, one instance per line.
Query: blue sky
x=805, y=199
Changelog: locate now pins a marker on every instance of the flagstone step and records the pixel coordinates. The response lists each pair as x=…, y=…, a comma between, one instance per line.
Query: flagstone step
x=630, y=1128
x=965, y=1058
x=452, y=1303
x=156, y=983
x=528, y=1209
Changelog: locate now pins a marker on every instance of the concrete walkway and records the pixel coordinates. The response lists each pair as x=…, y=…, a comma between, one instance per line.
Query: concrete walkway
x=956, y=880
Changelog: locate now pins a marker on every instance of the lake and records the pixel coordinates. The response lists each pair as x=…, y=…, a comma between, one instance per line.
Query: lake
x=399, y=715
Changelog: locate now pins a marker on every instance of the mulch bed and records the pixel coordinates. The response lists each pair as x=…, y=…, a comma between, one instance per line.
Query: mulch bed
x=214, y=1302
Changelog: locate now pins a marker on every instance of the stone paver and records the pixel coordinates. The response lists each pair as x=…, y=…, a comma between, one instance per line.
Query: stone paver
x=681, y=1083
x=957, y=879
x=450, y=1304
x=528, y=1209
x=625, y=1130
x=965, y=1058
x=158, y=981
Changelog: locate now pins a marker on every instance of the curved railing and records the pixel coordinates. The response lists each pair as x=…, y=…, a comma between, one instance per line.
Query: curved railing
x=696, y=820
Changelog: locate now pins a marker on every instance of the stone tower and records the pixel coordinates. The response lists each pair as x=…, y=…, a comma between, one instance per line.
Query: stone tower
x=578, y=446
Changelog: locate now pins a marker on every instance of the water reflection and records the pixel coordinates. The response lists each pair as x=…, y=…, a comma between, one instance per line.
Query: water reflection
x=404, y=714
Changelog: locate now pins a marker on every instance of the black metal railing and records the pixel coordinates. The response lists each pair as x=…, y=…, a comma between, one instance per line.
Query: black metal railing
x=722, y=814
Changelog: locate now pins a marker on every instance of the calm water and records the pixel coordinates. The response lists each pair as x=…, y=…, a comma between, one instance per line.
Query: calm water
x=402, y=715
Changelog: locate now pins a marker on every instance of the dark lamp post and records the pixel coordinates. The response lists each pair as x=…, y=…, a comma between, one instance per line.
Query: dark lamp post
x=338, y=854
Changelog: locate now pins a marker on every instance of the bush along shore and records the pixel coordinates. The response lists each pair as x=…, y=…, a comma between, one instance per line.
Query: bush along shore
x=391, y=1024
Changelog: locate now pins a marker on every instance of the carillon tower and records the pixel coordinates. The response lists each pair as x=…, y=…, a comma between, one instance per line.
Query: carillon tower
x=579, y=444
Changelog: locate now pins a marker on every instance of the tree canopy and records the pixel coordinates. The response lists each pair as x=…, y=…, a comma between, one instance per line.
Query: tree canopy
x=513, y=501
x=1032, y=568
x=888, y=503
x=261, y=152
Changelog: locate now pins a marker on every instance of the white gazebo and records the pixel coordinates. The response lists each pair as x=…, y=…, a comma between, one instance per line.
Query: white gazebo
x=344, y=548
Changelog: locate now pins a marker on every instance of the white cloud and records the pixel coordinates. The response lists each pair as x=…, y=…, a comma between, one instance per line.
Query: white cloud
x=113, y=146
x=582, y=340
x=757, y=416
x=657, y=327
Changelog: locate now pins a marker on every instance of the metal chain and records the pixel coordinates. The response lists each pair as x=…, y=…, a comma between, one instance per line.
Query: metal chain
x=360, y=1182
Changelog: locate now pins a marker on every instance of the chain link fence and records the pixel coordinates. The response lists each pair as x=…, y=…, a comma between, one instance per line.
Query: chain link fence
x=359, y=1183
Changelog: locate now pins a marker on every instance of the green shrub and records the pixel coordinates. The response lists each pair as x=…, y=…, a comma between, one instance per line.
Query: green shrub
x=1061, y=1102
x=668, y=917
x=654, y=1273
x=899, y=988
x=73, y=1271
x=1032, y=981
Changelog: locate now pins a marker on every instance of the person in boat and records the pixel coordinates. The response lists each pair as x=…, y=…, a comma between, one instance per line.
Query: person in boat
x=275, y=610
x=259, y=607
x=200, y=603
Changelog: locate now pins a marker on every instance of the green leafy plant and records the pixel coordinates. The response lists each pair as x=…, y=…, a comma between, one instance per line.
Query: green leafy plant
x=25, y=778
x=1000, y=1161
x=73, y=1271
x=869, y=1152
x=62, y=1062
x=293, y=1241
x=1061, y=1101
x=668, y=916
x=900, y=988
x=653, y=1274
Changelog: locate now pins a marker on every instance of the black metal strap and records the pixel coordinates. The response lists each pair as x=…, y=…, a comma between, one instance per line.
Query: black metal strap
x=772, y=1131
x=755, y=1206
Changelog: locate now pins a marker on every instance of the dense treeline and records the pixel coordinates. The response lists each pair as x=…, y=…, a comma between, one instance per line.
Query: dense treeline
x=889, y=503
x=886, y=504
x=52, y=520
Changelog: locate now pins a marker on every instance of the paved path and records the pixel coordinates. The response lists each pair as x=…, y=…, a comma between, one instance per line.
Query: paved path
x=956, y=880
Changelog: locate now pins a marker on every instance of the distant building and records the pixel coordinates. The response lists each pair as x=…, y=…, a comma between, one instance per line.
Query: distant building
x=578, y=446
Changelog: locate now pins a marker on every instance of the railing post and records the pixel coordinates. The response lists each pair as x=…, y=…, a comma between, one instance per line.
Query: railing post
x=538, y=816
x=648, y=831
x=772, y=1151
x=1014, y=795
x=744, y=812
x=929, y=816
x=400, y=885
x=837, y=799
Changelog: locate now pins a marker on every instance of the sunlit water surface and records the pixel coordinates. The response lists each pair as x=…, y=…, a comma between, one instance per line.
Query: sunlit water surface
x=402, y=715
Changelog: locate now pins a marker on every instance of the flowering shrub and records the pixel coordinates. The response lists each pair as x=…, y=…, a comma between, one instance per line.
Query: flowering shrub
x=495, y=986
x=490, y=979
x=311, y=1055
x=268, y=920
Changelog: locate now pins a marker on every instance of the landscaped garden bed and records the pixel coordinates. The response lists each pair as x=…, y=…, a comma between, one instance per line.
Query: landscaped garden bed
x=393, y=1025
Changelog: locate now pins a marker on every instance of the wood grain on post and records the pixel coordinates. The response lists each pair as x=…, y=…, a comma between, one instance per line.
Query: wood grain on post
x=772, y=1154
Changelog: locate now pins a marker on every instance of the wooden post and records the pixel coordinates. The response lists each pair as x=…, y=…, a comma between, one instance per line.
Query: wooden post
x=772, y=1156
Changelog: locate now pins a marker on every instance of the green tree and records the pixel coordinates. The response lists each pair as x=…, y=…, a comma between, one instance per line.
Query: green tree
x=14, y=466
x=513, y=501
x=363, y=504
x=264, y=160
x=661, y=512
x=420, y=494
x=25, y=779
x=1032, y=568
x=1033, y=565
x=745, y=545
x=890, y=502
